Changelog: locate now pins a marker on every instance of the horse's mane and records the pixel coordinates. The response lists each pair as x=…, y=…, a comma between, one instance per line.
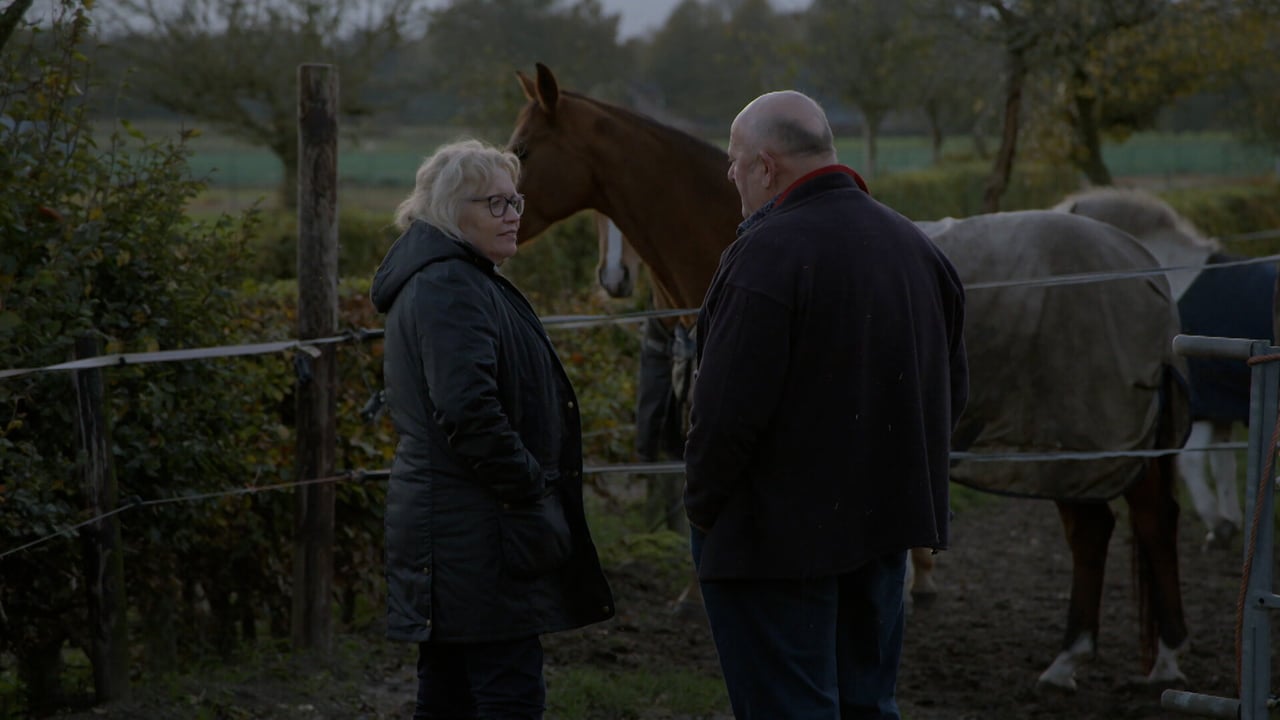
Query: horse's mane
x=687, y=142
x=1138, y=213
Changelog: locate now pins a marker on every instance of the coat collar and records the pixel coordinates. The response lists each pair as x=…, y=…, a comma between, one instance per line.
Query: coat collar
x=824, y=178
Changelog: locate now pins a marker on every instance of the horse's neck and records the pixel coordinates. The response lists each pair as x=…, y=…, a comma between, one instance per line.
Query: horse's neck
x=664, y=300
x=676, y=209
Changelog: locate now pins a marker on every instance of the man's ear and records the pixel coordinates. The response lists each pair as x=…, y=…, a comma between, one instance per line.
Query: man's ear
x=770, y=164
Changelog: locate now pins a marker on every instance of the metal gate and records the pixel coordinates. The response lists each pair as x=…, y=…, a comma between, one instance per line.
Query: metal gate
x=1255, y=701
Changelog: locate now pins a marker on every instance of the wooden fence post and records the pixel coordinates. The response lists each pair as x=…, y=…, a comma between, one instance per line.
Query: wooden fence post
x=103, y=559
x=312, y=621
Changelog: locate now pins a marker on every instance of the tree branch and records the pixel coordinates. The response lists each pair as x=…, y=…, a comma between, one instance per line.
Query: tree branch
x=9, y=20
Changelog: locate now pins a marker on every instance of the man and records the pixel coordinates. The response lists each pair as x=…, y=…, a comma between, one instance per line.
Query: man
x=831, y=374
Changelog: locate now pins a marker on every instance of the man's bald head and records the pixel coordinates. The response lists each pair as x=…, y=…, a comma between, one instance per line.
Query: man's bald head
x=777, y=139
x=787, y=124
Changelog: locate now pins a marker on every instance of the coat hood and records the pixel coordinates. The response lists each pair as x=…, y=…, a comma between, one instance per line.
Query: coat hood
x=419, y=246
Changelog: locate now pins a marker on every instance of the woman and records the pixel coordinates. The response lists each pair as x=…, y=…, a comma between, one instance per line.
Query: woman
x=487, y=542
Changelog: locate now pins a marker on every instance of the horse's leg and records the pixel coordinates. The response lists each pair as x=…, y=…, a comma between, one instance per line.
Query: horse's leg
x=1087, y=527
x=1192, y=466
x=920, y=582
x=688, y=605
x=1222, y=467
x=1153, y=514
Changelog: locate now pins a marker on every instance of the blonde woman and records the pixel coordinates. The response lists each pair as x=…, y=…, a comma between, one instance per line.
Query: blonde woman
x=487, y=543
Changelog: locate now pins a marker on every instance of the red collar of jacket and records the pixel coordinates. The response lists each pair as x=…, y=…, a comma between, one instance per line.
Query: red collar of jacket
x=829, y=169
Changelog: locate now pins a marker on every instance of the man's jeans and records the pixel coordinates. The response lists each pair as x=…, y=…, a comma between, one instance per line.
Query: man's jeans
x=812, y=648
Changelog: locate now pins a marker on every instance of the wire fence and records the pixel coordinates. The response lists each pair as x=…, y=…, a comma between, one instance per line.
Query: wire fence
x=361, y=335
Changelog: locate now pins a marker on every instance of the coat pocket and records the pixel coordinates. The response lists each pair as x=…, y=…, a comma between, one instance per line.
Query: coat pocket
x=536, y=539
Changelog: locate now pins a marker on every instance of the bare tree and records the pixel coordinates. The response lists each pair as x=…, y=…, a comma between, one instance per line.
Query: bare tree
x=861, y=50
x=233, y=63
x=1057, y=39
x=10, y=18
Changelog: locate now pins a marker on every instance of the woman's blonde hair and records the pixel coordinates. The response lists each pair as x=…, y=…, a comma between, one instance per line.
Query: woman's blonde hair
x=448, y=177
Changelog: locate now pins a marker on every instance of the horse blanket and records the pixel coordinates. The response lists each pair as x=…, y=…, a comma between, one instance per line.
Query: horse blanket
x=1064, y=367
x=1231, y=302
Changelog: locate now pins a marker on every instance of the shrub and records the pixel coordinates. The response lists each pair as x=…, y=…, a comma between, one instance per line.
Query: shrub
x=96, y=244
x=955, y=189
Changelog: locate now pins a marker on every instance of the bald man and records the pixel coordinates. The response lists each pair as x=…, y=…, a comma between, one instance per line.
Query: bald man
x=831, y=374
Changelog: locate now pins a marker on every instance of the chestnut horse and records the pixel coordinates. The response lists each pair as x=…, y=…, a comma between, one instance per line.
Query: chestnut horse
x=1031, y=385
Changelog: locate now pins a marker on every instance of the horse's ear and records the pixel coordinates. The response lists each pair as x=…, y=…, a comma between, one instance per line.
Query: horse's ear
x=548, y=89
x=530, y=92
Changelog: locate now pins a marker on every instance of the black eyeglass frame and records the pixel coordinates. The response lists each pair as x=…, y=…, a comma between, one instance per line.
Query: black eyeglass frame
x=498, y=204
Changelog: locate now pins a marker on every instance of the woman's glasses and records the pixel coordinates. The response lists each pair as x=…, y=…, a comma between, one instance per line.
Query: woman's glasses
x=498, y=204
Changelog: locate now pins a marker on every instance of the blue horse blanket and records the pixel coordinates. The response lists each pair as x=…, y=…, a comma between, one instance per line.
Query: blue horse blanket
x=1234, y=302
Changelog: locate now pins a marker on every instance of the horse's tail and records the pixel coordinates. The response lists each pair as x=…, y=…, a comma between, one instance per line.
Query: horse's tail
x=1159, y=488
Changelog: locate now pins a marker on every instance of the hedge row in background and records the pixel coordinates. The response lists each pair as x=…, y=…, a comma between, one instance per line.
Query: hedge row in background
x=561, y=263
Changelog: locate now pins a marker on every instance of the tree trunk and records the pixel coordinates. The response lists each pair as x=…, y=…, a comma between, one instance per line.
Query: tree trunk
x=1087, y=154
x=287, y=153
x=978, y=132
x=9, y=20
x=1003, y=169
x=870, y=137
x=936, y=138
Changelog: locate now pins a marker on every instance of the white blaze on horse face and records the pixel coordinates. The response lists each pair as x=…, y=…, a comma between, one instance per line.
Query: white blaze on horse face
x=618, y=264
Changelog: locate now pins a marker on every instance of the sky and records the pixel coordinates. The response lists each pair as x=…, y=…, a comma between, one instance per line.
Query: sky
x=638, y=17
x=641, y=16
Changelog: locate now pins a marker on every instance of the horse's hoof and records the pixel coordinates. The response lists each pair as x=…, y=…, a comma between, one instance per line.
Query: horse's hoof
x=1220, y=537
x=688, y=612
x=1055, y=687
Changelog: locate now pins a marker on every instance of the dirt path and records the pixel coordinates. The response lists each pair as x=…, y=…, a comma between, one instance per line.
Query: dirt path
x=974, y=653
x=998, y=621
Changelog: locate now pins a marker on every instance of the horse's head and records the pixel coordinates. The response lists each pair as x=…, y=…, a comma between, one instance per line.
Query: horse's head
x=1170, y=238
x=549, y=136
x=619, y=264
x=664, y=188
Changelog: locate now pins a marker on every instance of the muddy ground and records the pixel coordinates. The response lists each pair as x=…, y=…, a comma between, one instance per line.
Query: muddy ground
x=974, y=652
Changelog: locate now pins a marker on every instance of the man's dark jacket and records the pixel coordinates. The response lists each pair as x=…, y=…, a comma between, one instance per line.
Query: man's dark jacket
x=831, y=373
x=487, y=421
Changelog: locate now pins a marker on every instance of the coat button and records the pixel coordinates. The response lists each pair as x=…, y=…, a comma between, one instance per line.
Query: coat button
x=571, y=404
x=428, y=622
x=426, y=570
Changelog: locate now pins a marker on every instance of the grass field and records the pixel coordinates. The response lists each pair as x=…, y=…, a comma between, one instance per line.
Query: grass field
x=389, y=159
